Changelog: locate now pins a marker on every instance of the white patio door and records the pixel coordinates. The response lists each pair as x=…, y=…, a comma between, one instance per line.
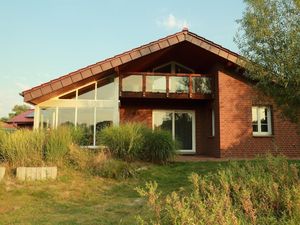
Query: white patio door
x=180, y=123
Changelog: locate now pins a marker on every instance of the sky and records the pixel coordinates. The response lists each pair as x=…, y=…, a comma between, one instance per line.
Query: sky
x=41, y=40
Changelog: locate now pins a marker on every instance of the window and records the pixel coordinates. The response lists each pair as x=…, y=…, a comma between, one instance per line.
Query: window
x=212, y=122
x=181, y=124
x=105, y=90
x=172, y=67
x=87, y=92
x=261, y=121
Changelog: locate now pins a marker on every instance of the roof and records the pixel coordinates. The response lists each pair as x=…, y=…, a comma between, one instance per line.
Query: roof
x=25, y=117
x=6, y=125
x=113, y=62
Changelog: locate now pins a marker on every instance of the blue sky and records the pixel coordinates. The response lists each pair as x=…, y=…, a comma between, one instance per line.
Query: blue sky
x=42, y=40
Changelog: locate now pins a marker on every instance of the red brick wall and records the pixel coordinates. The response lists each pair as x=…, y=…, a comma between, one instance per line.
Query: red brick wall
x=140, y=110
x=236, y=98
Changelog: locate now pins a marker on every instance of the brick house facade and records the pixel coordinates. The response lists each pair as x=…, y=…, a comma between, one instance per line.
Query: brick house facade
x=183, y=83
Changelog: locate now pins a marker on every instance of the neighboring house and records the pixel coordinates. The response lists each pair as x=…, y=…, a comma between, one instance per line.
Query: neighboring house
x=182, y=83
x=6, y=126
x=23, y=120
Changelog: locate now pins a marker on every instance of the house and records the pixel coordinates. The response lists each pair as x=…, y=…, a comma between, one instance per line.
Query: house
x=183, y=83
x=23, y=120
x=6, y=126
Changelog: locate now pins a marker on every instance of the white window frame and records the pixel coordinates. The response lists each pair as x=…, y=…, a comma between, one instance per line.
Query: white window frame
x=173, y=64
x=269, y=121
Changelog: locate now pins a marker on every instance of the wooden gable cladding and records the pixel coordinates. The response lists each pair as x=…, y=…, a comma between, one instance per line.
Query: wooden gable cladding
x=36, y=94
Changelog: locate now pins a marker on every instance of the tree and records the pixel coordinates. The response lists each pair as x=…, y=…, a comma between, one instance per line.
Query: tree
x=269, y=38
x=16, y=110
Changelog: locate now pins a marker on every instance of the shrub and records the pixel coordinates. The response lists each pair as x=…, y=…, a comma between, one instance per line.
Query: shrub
x=265, y=191
x=57, y=144
x=125, y=142
x=159, y=146
x=23, y=147
x=112, y=168
x=78, y=158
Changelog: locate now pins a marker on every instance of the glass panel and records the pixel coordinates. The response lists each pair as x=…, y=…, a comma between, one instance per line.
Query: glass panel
x=183, y=130
x=71, y=95
x=85, y=122
x=132, y=83
x=179, y=84
x=263, y=115
x=181, y=69
x=254, y=115
x=66, y=116
x=156, y=84
x=87, y=92
x=164, y=69
x=264, y=128
x=201, y=85
x=104, y=118
x=47, y=118
x=162, y=120
x=106, y=91
x=255, y=127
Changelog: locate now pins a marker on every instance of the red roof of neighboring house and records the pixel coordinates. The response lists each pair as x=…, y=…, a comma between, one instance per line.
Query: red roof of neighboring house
x=6, y=125
x=45, y=89
x=25, y=117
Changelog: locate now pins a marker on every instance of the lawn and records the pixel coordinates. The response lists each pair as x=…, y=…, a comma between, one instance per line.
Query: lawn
x=78, y=198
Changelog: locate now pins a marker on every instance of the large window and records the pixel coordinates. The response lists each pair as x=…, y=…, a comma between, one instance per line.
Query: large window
x=89, y=108
x=261, y=121
x=172, y=67
x=181, y=124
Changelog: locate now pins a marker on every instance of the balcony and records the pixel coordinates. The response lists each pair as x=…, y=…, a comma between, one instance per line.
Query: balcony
x=166, y=85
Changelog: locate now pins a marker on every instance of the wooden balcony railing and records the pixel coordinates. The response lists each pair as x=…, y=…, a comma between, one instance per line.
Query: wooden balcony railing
x=165, y=85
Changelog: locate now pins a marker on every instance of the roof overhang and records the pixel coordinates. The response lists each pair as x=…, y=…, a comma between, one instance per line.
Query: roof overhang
x=74, y=79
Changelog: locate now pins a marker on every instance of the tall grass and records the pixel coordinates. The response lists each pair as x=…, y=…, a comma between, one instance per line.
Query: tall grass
x=125, y=141
x=265, y=191
x=57, y=144
x=159, y=146
x=22, y=147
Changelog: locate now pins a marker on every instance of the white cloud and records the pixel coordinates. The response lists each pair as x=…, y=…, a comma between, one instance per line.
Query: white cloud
x=171, y=22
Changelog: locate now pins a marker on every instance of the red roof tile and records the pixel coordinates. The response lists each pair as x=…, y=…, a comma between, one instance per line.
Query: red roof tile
x=102, y=66
x=25, y=117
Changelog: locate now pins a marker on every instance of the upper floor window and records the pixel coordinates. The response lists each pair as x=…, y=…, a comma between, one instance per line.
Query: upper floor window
x=172, y=67
x=261, y=121
x=103, y=89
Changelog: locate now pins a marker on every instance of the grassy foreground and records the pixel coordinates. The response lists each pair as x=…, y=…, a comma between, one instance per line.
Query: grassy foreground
x=78, y=198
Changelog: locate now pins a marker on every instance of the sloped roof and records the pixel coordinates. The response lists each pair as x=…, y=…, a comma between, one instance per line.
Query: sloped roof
x=107, y=64
x=25, y=117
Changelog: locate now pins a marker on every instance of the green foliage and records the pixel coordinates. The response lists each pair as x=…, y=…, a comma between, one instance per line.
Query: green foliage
x=57, y=144
x=269, y=38
x=265, y=191
x=22, y=147
x=81, y=135
x=78, y=158
x=159, y=146
x=112, y=168
x=18, y=109
x=124, y=141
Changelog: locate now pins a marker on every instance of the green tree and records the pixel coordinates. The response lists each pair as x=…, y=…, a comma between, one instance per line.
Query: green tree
x=269, y=37
x=16, y=110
